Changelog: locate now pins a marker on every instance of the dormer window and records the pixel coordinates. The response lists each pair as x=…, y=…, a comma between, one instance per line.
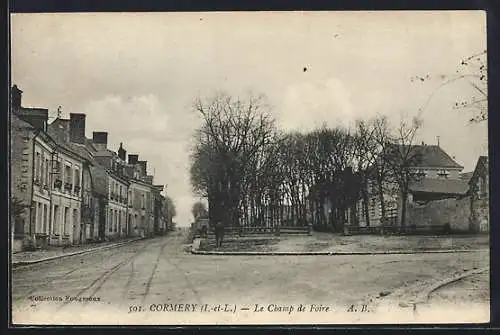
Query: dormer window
x=443, y=173
x=422, y=173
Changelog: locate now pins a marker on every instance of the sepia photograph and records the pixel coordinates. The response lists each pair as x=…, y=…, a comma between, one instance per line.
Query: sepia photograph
x=249, y=168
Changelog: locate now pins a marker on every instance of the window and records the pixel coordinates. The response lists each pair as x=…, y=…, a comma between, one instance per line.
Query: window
x=77, y=180
x=130, y=197
x=110, y=221
x=46, y=219
x=66, y=221
x=119, y=221
x=143, y=201
x=116, y=220
x=47, y=172
x=41, y=176
x=67, y=174
x=38, y=217
x=37, y=167
x=443, y=173
x=55, y=224
x=422, y=173
x=57, y=169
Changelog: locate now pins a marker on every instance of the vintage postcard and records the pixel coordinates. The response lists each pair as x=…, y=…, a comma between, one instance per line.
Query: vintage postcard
x=245, y=168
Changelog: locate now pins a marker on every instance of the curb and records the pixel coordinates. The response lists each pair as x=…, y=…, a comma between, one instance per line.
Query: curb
x=334, y=253
x=424, y=297
x=24, y=263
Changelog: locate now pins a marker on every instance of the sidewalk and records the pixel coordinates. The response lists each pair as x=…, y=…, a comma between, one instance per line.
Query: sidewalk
x=325, y=244
x=31, y=257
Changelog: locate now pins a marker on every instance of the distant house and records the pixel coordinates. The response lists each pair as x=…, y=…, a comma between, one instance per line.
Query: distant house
x=437, y=177
x=480, y=196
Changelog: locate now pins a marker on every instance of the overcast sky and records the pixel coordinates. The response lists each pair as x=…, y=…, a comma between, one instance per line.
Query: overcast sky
x=136, y=75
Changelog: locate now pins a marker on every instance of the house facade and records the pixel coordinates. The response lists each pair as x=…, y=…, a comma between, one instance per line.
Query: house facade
x=480, y=196
x=117, y=205
x=56, y=175
x=66, y=226
x=22, y=173
x=160, y=227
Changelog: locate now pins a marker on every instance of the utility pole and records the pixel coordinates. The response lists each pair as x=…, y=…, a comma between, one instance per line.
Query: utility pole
x=438, y=140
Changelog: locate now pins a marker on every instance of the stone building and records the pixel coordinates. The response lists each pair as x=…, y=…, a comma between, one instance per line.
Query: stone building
x=50, y=172
x=480, y=196
x=116, y=186
x=160, y=220
x=438, y=178
x=71, y=134
x=69, y=189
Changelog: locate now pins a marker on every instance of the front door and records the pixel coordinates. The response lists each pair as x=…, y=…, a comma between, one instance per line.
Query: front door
x=102, y=220
x=76, y=227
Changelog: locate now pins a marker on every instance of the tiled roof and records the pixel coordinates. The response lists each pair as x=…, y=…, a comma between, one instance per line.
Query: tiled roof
x=432, y=156
x=81, y=150
x=440, y=186
x=58, y=130
x=466, y=176
x=481, y=167
x=16, y=120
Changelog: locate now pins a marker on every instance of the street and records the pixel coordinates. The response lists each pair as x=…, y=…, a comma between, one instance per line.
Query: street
x=115, y=285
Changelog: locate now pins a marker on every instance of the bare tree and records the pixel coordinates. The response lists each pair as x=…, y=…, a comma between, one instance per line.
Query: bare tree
x=473, y=70
x=199, y=210
x=330, y=153
x=233, y=133
x=403, y=156
x=365, y=155
x=171, y=212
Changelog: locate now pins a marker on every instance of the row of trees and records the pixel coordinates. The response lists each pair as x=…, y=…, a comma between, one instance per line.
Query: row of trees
x=253, y=174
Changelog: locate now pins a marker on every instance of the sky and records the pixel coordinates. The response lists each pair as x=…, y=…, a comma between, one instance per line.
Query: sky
x=135, y=75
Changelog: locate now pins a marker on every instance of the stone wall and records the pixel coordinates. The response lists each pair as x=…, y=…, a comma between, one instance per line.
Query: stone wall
x=455, y=212
x=481, y=215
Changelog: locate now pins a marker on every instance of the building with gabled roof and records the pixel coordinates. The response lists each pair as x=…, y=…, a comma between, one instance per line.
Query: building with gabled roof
x=437, y=176
x=54, y=170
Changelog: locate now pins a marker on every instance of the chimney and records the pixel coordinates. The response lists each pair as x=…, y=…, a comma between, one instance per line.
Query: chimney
x=132, y=159
x=16, y=97
x=144, y=165
x=122, y=153
x=77, y=127
x=100, y=140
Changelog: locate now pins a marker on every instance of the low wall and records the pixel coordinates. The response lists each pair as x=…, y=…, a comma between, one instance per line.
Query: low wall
x=455, y=212
x=17, y=245
x=481, y=215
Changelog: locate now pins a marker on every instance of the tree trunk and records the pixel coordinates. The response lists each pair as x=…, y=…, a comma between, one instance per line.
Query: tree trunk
x=366, y=209
x=381, y=198
x=404, y=198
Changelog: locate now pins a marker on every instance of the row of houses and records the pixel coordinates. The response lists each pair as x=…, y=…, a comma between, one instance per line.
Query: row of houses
x=67, y=189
